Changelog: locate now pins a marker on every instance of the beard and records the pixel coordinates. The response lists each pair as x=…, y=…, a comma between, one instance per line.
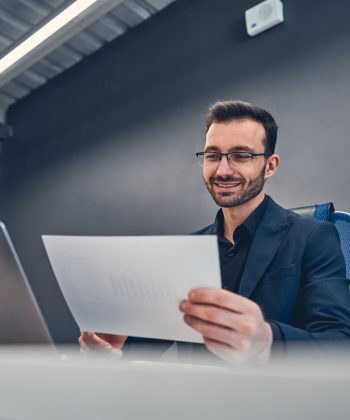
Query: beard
x=232, y=199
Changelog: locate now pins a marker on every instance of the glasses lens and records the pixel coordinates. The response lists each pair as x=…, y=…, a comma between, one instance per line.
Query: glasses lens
x=240, y=158
x=200, y=159
x=212, y=159
x=209, y=159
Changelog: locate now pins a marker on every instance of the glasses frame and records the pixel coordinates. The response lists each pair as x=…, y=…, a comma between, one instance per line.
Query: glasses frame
x=229, y=156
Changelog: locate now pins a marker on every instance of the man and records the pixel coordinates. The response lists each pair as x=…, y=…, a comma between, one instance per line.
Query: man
x=283, y=276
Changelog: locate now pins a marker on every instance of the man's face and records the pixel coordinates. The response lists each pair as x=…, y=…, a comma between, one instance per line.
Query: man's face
x=232, y=184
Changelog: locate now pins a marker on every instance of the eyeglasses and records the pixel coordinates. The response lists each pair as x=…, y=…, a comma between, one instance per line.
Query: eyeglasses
x=212, y=159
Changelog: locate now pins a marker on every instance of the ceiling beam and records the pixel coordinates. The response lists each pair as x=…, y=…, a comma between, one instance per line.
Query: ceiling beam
x=69, y=22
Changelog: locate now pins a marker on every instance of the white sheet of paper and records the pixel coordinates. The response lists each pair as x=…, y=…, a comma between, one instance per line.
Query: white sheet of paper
x=132, y=285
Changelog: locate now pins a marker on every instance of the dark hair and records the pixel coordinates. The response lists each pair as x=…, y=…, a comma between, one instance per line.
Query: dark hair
x=226, y=111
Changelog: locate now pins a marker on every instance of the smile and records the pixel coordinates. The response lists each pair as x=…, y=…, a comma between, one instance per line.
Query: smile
x=232, y=185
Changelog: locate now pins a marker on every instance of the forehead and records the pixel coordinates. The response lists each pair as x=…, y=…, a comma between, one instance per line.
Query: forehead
x=242, y=134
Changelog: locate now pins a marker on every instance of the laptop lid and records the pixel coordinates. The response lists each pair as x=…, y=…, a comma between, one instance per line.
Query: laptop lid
x=21, y=321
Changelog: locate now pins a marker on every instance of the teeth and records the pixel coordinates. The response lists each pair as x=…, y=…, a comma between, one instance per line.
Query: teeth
x=227, y=185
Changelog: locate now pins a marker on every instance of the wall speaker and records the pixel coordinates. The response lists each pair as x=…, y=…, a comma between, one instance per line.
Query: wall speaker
x=263, y=16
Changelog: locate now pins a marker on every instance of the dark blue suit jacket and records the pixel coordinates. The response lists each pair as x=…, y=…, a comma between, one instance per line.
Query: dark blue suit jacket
x=295, y=271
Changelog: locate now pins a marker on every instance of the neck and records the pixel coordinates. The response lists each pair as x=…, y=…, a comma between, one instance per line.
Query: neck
x=235, y=216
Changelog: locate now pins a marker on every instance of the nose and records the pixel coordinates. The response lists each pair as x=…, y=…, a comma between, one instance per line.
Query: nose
x=224, y=167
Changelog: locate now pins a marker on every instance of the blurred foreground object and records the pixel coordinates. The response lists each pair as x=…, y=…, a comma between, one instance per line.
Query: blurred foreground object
x=38, y=385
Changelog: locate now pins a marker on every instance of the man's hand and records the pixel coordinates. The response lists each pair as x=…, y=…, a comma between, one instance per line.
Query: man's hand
x=104, y=343
x=232, y=326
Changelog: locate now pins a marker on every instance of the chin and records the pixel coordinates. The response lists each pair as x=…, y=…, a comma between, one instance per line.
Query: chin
x=225, y=200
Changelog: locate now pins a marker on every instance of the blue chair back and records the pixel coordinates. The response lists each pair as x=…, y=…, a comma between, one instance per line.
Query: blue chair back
x=318, y=211
x=340, y=219
x=324, y=211
x=342, y=223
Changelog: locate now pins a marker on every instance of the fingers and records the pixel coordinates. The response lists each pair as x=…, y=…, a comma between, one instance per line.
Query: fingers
x=219, y=316
x=116, y=341
x=219, y=334
x=223, y=299
x=91, y=342
x=232, y=327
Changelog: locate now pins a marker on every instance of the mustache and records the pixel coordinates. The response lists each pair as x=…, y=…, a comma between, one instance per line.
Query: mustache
x=226, y=179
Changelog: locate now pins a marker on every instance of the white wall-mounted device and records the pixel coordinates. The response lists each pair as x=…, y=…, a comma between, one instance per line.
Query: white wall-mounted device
x=263, y=16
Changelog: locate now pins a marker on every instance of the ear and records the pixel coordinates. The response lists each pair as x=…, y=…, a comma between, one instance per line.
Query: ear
x=272, y=164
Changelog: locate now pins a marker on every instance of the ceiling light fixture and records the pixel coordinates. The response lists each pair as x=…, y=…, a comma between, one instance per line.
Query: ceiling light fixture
x=54, y=33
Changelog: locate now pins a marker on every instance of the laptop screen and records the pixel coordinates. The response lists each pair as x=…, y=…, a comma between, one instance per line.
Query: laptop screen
x=21, y=321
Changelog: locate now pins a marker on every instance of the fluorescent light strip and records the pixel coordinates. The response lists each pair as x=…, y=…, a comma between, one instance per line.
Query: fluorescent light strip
x=45, y=32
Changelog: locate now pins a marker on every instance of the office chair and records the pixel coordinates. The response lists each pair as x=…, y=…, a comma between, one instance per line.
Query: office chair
x=340, y=219
x=318, y=211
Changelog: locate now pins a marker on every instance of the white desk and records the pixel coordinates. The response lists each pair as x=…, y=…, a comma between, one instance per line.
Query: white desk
x=37, y=385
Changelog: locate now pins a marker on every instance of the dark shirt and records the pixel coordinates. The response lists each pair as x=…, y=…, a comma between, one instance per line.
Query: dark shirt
x=233, y=255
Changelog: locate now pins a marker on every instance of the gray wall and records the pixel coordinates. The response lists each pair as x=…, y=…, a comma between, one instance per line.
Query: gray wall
x=108, y=147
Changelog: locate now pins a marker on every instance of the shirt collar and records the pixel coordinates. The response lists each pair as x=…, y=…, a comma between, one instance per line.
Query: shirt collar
x=249, y=225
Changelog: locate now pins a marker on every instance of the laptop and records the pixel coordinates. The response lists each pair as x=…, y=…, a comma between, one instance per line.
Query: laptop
x=21, y=321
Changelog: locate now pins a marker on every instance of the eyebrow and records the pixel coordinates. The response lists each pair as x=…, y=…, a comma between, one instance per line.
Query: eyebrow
x=233, y=149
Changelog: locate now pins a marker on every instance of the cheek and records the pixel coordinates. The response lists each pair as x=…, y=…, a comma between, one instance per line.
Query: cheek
x=208, y=173
x=255, y=172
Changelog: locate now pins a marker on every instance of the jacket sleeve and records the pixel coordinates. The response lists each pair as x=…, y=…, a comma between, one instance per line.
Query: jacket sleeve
x=324, y=302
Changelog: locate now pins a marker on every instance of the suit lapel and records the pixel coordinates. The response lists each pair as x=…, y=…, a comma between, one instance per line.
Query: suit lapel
x=267, y=239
